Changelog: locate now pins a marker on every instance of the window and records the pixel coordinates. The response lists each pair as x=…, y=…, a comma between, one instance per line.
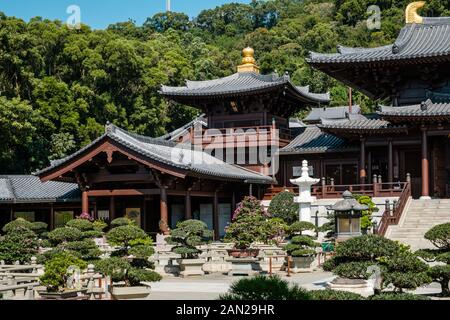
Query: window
x=103, y=215
x=62, y=217
x=29, y=216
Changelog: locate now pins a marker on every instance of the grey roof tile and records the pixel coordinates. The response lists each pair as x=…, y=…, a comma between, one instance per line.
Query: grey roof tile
x=241, y=83
x=317, y=114
x=313, y=140
x=365, y=124
x=427, y=40
x=28, y=188
x=427, y=109
x=172, y=154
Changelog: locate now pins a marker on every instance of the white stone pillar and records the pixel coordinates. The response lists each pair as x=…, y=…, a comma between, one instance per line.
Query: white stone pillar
x=305, y=199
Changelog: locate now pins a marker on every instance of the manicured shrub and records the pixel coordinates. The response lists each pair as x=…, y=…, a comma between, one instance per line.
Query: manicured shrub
x=99, y=225
x=19, y=222
x=19, y=244
x=439, y=236
x=301, y=226
x=123, y=235
x=265, y=288
x=276, y=230
x=397, y=296
x=130, y=263
x=301, y=246
x=80, y=224
x=353, y=270
x=40, y=228
x=120, y=222
x=65, y=234
x=187, y=236
x=249, y=225
x=283, y=206
x=328, y=294
x=85, y=249
x=55, y=276
x=92, y=234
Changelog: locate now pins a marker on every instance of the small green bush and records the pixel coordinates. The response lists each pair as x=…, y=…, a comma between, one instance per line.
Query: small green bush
x=92, y=234
x=187, y=236
x=65, y=234
x=283, y=206
x=301, y=226
x=19, y=244
x=353, y=270
x=439, y=236
x=398, y=296
x=301, y=246
x=99, y=225
x=19, y=222
x=264, y=288
x=123, y=235
x=328, y=294
x=120, y=222
x=85, y=249
x=55, y=276
x=80, y=224
x=40, y=228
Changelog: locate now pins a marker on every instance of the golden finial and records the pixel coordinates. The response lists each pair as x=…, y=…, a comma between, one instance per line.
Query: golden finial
x=411, y=12
x=248, y=61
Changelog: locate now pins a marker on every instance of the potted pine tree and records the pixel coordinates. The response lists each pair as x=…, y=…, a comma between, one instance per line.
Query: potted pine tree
x=302, y=250
x=128, y=267
x=187, y=236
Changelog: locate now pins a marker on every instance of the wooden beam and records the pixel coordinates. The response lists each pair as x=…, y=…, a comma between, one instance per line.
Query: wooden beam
x=123, y=192
x=216, y=215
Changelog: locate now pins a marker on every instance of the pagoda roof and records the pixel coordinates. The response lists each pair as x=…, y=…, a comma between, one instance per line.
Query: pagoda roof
x=336, y=113
x=420, y=112
x=430, y=39
x=362, y=126
x=243, y=84
x=313, y=140
x=177, y=158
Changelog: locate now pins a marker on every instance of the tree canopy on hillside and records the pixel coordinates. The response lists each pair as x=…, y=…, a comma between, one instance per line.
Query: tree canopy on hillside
x=59, y=86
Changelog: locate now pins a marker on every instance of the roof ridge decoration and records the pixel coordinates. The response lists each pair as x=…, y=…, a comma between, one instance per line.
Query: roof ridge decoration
x=411, y=12
x=248, y=61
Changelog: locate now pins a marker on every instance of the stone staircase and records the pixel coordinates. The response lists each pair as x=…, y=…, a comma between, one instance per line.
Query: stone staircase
x=419, y=217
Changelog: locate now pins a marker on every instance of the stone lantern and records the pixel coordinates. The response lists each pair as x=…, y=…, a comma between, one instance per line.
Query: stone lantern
x=305, y=199
x=348, y=213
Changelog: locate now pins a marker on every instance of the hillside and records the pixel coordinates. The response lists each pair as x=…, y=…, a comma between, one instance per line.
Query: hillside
x=58, y=87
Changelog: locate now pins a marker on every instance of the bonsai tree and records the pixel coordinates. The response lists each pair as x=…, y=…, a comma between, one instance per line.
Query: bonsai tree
x=301, y=246
x=56, y=271
x=129, y=264
x=187, y=236
x=249, y=225
x=277, y=230
x=397, y=264
x=19, y=222
x=439, y=236
x=99, y=225
x=86, y=227
x=40, y=228
x=301, y=226
x=74, y=241
x=283, y=206
x=119, y=222
x=19, y=244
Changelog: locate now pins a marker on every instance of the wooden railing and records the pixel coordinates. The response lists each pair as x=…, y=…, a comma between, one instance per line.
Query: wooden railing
x=324, y=191
x=393, y=214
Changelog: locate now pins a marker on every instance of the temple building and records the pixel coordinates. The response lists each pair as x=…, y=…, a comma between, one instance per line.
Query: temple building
x=245, y=142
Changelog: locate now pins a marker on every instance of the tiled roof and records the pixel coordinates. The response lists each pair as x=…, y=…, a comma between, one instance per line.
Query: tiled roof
x=317, y=114
x=313, y=140
x=180, y=132
x=175, y=155
x=363, y=125
x=240, y=83
x=426, y=109
x=27, y=188
x=428, y=40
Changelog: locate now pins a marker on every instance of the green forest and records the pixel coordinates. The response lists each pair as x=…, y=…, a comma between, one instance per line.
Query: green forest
x=59, y=86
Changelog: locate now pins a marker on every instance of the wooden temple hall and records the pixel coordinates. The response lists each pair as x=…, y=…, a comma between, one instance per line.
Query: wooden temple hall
x=403, y=145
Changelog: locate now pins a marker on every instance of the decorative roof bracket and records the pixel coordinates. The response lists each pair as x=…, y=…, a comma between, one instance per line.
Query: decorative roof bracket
x=411, y=12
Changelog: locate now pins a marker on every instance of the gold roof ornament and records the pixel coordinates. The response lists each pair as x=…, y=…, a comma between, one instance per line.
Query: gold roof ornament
x=248, y=61
x=411, y=12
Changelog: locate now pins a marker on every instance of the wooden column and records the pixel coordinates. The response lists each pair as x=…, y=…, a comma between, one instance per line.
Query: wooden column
x=112, y=209
x=250, y=191
x=84, y=202
x=164, y=211
x=390, y=161
x=216, y=216
x=188, y=206
x=425, y=166
x=52, y=217
x=362, y=165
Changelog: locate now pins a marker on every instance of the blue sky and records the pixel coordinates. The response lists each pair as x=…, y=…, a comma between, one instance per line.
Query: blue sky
x=100, y=13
